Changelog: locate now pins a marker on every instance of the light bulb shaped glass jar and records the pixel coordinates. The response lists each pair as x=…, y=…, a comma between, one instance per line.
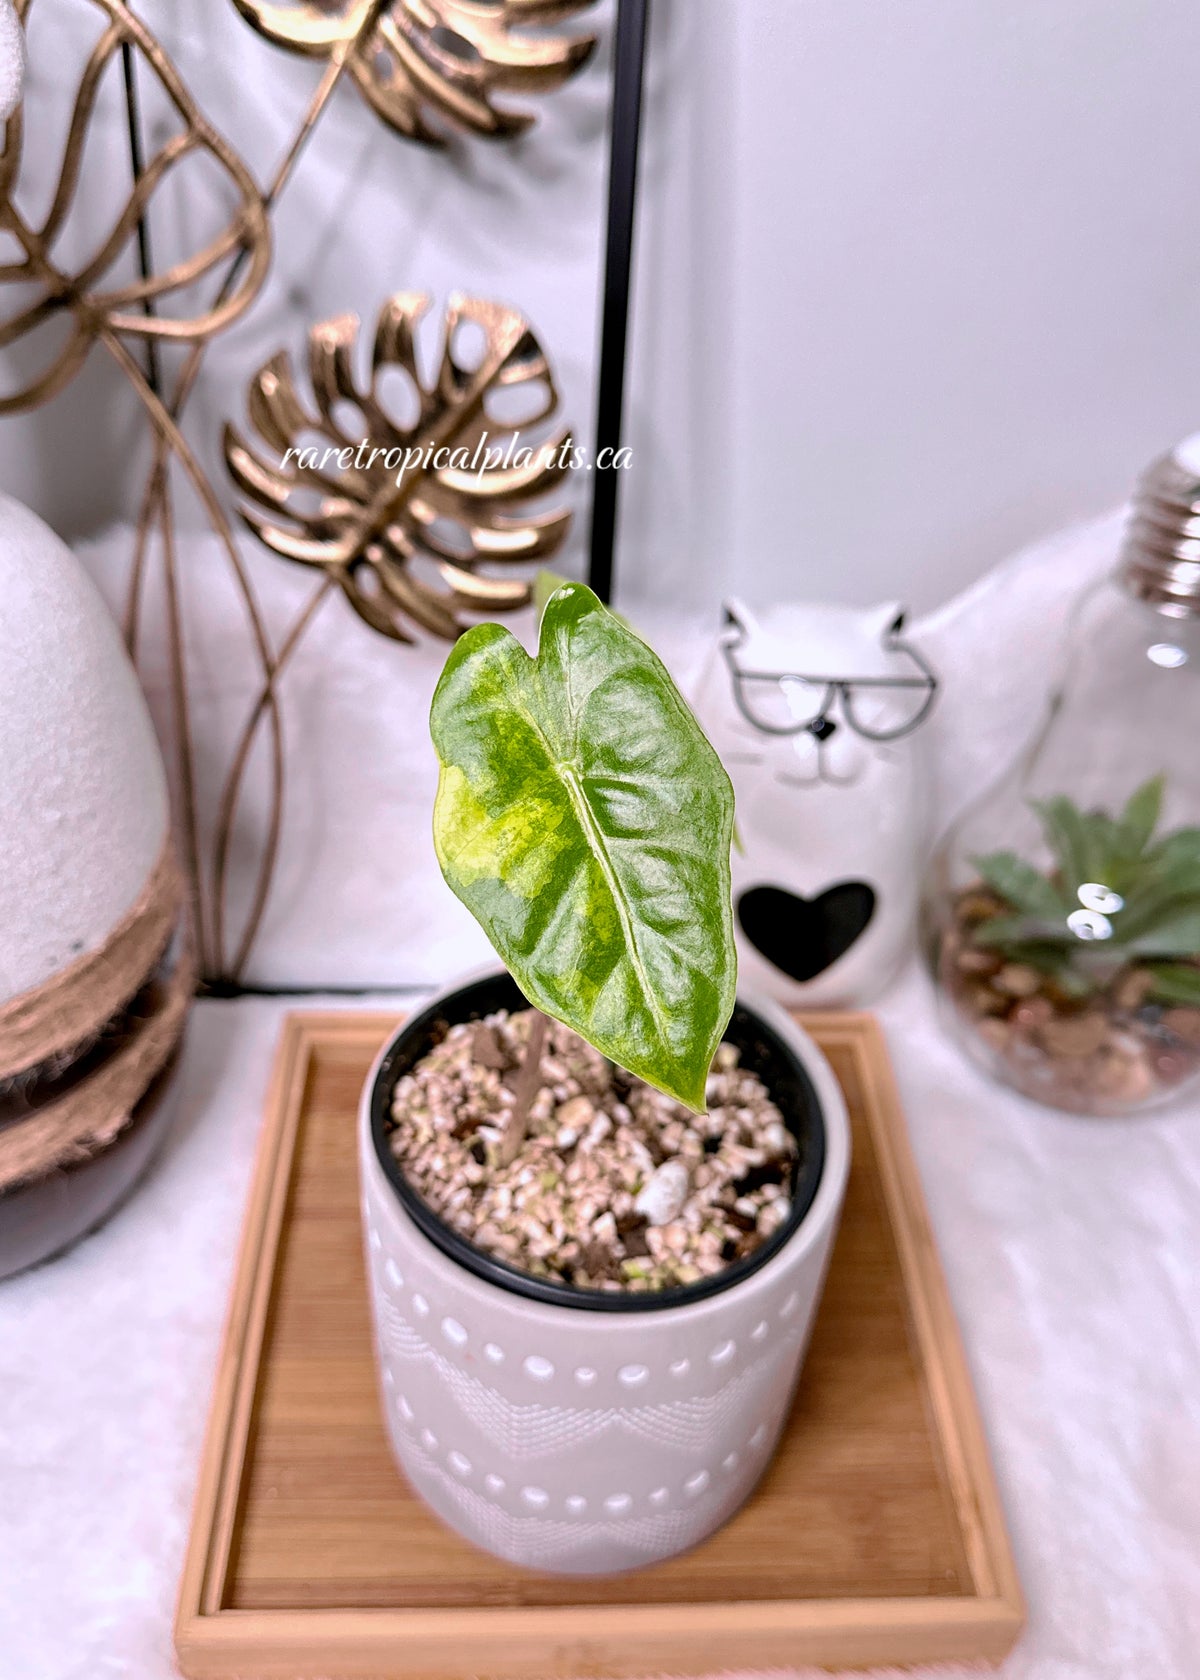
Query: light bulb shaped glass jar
x=1062, y=910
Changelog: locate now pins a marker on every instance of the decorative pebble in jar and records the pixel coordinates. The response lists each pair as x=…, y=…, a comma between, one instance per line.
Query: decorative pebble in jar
x=1062, y=911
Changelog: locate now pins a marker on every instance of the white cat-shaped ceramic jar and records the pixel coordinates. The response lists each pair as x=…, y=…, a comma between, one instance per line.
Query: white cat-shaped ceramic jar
x=815, y=710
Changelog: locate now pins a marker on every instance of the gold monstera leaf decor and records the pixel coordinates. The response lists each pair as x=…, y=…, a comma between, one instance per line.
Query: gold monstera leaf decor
x=442, y=58
x=404, y=511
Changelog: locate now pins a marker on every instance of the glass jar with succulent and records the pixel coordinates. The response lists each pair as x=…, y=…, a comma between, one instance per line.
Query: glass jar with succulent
x=1063, y=908
x=600, y=1187
x=1082, y=980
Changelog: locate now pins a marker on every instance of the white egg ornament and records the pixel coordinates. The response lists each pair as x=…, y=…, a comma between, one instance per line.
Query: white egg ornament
x=95, y=976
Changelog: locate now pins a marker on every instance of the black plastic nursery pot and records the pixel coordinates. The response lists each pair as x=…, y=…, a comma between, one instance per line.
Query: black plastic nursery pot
x=762, y=1050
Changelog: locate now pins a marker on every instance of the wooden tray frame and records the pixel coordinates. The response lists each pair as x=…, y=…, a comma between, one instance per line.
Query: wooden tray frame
x=214, y=1642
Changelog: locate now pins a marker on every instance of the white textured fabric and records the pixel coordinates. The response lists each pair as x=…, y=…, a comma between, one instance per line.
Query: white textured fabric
x=1072, y=1250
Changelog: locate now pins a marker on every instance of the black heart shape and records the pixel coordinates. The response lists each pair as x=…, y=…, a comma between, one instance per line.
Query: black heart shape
x=805, y=936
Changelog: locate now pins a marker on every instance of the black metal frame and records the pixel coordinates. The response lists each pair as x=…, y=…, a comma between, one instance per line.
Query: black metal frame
x=628, y=62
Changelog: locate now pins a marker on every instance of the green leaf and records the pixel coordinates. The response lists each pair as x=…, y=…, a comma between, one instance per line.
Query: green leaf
x=1140, y=817
x=1066, y=830
x=1002, y=932
x=547, y=583
x=1021, y=885
x=1176, y=983
x=1180, y=850
x=1157, y=896
x=586, y=822
x=544, y=586
x=1176, y=933
x=1171, y=877
x=1105, y=849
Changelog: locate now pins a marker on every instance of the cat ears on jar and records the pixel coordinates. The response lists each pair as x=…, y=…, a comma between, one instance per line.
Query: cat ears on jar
x=737, y=621
x=890, y=618
x=887, y=620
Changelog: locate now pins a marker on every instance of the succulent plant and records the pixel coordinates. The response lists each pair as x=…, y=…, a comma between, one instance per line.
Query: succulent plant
x=1120, y=894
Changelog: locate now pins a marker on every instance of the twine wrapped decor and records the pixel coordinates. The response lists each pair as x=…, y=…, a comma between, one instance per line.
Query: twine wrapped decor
x=81, y=1049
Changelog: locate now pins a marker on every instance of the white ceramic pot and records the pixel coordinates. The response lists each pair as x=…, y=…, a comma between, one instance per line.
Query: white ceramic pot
x=829, y=777
x=600, y=1437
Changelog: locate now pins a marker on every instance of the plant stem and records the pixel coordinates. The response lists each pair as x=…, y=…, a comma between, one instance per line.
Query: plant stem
x=528, y=1079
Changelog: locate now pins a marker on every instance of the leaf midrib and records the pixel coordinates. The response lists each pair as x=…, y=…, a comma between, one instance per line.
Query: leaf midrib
x=572, y=781
x=587, y=822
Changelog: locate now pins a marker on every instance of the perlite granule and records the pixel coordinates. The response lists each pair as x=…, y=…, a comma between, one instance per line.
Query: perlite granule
x=616, y=1185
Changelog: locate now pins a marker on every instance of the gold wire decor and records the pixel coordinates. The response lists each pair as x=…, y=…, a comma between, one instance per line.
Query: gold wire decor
x=364, y=501
x=111, y=315
x=412, y=551
x=446, y=58
x=78, y=295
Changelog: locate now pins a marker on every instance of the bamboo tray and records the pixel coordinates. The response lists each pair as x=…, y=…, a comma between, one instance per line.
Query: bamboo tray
x=876, y=1537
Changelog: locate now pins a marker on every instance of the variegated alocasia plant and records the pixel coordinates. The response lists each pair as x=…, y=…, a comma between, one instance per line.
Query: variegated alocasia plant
x=585, y=821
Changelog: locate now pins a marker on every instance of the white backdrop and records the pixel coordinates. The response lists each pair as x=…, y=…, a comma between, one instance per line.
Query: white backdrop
x=916, y=282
